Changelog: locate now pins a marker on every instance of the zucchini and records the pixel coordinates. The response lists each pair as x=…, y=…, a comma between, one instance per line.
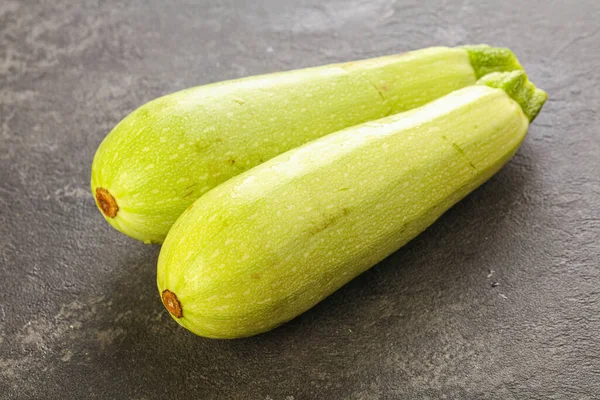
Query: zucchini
x=269, y=244
x=172, y=150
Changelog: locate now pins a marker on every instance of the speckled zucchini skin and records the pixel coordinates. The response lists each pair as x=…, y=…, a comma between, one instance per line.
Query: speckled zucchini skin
x=269, y=244
x=169, y=152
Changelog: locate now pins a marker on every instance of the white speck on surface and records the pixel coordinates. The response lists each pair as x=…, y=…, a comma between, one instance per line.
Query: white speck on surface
x=76, y=325
x=67, y=354
x=77, y=193
x=108, y=336
x=8, y=367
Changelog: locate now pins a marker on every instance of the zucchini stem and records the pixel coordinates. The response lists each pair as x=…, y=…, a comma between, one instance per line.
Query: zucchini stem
x=520, y=89
x=486, y=59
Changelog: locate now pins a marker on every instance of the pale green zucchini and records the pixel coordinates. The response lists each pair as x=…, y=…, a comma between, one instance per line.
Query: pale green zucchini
x=169, y=152
x=269, y=244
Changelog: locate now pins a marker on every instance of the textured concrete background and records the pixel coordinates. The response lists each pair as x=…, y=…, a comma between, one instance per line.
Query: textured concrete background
x=80, y=316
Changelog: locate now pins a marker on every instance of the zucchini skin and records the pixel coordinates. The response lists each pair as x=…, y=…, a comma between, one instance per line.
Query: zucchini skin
x=272, y=242
x=169, y=152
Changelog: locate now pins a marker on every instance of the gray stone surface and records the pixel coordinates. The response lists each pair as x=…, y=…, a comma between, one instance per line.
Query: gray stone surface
x=80, y=316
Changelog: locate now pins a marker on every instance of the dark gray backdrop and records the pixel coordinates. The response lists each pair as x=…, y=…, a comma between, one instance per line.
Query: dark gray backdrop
x=80, y=315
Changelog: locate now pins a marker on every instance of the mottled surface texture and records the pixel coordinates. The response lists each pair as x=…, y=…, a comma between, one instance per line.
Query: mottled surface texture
x=500, y=299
